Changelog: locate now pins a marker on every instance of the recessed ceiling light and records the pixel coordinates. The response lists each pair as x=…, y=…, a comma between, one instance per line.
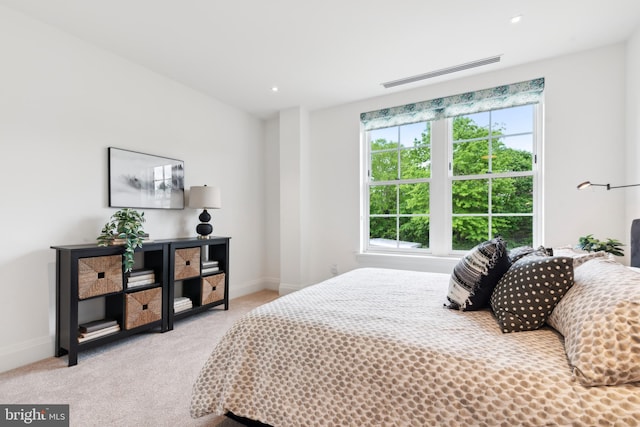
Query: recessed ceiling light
x=274, y=88
x=516, y=19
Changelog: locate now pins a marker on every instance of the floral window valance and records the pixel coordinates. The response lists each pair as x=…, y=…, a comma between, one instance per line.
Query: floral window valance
x=529, y=92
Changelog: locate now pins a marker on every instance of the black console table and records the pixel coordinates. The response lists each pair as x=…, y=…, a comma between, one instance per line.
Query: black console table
x=171, y=279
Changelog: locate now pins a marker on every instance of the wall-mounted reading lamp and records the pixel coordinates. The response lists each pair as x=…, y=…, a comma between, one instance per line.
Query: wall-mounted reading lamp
x=587, y=184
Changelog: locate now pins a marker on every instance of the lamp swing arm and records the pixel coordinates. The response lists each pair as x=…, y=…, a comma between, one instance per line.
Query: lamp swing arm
x=587, y=184
x=609, y=187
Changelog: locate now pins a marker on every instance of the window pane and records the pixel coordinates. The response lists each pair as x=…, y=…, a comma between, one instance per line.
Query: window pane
x=480, y=120
x=414, y=134
x=414, y=198
x=382, y=200
x=470, y=196
x=515, y=230
x=382, y=232
x=414, y=232
x=467, y=232
x=415, y=162
x=466, y=127
x=513, y=154
x=470, y=158
x=513, y=120
x=382, y=138
x=384, y=166
x=512, y=195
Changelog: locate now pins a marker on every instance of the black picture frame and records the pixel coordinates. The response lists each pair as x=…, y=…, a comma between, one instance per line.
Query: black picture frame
x=145, y=181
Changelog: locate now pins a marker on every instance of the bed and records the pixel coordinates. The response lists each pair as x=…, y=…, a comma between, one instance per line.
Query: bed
x=381, y=347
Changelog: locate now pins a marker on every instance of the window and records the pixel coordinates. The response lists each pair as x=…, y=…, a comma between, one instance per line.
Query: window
x=447, y=183
x=492, y=174
x=399, y=176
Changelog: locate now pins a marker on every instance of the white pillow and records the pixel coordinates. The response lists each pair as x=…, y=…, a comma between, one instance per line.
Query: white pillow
x=579, y=256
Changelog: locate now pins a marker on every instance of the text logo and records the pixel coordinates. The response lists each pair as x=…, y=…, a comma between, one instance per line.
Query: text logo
x=34, y=415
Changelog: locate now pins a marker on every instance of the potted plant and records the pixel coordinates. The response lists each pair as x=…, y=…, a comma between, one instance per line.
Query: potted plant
x=591, y=244
x=124, y=227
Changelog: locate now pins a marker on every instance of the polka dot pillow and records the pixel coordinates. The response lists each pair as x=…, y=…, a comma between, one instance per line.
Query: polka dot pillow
x=529, y=291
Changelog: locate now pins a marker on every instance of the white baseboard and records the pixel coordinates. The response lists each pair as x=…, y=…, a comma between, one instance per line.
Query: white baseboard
x=241, y=289
x=20, y=354
x=272, y=283
x=287, y=288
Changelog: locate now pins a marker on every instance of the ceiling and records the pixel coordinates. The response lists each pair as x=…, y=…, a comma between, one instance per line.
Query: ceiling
x=329, y=52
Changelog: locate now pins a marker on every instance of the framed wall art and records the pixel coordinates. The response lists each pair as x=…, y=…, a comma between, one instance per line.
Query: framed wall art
x=138, y=180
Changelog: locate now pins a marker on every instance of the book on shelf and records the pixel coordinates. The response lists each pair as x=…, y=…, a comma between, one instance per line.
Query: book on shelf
x=96, y=325
x=210, y=270
x=119, y=241
x=141, y=278
x=99, y=333
x=137, y=283
x=181, y=304
x=210, y=263
x=144, y=276
x=116, y=242
x=181, y=309
x=140, y=272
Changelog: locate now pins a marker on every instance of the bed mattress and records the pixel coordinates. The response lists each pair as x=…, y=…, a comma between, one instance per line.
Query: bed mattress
x=377, y=347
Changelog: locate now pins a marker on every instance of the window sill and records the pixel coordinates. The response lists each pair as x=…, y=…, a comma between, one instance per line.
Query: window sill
x=431, y=263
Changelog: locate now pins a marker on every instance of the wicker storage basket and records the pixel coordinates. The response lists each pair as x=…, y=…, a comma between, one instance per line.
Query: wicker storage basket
x=187, y=263
x=143, y=307
x=212, y=288
x=99, y=275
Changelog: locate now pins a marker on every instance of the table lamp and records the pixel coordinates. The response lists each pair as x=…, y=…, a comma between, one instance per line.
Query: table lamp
x=204, y=197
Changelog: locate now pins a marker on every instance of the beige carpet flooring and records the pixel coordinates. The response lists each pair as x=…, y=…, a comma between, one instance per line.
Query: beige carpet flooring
x=144, y=380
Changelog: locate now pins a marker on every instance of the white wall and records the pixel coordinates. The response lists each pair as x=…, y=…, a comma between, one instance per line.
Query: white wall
x=294, y=198
x=585, y=140
x=62, y=103
x=272, y=195
x=633, y=128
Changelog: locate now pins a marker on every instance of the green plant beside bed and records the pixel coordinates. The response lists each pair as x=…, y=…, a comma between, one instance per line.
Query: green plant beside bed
x=125, y=225
x=591, y=244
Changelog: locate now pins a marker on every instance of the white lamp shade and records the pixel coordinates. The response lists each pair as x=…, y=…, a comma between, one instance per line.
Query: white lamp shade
x=204, y=197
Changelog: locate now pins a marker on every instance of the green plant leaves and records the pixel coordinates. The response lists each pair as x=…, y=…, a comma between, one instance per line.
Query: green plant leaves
x=591, y=244
x=124, y=224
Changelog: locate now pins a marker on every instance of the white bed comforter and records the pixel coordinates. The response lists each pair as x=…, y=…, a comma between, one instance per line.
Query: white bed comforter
x=376, y=347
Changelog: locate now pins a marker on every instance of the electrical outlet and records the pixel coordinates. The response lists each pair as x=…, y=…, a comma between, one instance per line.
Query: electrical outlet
x=334, y=269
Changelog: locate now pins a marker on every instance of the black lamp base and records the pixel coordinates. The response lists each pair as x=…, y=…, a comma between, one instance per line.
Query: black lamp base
x=204, y=229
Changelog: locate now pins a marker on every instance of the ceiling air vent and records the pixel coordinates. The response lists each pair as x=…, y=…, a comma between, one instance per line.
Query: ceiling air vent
x=454, y=69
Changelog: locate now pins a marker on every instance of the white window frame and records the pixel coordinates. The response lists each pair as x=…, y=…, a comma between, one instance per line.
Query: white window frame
x=440, y=188
x=365, y=218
